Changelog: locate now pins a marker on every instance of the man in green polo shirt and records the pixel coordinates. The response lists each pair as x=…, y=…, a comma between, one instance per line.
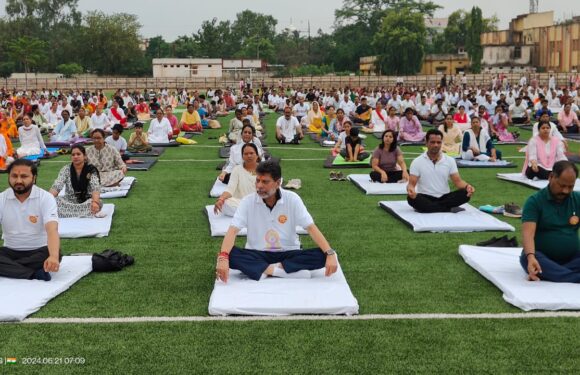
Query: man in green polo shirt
x=550, y=228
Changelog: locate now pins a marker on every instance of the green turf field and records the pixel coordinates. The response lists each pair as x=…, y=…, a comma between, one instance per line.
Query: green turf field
x=390, y=269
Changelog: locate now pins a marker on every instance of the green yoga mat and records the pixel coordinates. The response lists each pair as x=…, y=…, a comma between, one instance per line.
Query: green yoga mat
x=339, y=160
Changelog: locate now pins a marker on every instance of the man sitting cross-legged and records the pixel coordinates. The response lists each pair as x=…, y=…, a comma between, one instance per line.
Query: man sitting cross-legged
x=428, y=188
x=273, y=248
x=550, y=229
x=29, y=219
x=288, y=129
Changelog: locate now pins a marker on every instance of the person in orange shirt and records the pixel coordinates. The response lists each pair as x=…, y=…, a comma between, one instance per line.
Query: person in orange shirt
x=4, y=126
x=9, y=125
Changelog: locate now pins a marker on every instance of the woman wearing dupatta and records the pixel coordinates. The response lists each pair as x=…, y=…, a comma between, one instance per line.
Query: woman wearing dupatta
x=106, y=159
x=80, y=181
x=542, y=153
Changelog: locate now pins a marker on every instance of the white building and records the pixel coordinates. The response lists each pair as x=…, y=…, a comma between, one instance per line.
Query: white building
x=202, y=68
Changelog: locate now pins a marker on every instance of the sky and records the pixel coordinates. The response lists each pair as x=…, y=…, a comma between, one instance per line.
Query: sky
x=172, y=18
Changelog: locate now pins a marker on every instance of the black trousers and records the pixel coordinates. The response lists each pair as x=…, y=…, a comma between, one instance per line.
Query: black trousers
x=541, y=174
x=253, y=263
x=428, y=204
x=361, y=156
x=21, y=264
x=393, y=176
x=520, y=120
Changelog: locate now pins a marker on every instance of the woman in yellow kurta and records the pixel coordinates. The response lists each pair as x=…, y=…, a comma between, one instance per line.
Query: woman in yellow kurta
x=452, y=136
x=314, y=119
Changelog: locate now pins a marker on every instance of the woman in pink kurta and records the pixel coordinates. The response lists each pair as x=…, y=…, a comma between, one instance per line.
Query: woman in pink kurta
x=499, y=122
x=392, y=120
x=410, y=129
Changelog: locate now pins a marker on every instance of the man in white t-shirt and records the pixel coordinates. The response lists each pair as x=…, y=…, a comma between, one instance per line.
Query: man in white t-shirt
x=29, y=221
x=99, y=120
x=301, y=109
x=423, y=110
x=348, y=106
x=518, y=112
x=272, y=248
x=115, y=140
x=288, y=129
x=428, y=188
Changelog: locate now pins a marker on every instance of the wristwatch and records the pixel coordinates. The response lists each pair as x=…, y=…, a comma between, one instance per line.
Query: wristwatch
x=330, y=252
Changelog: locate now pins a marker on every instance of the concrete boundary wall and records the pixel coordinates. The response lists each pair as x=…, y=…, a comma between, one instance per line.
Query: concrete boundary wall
x=326, y=82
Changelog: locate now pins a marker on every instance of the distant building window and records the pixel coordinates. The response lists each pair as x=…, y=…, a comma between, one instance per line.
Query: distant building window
x=209, y=66
x=165, y=66
x=518, y=52
x=173, y=66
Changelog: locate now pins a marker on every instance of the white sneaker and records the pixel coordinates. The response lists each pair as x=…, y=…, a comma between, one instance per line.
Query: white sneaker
x=294, y=183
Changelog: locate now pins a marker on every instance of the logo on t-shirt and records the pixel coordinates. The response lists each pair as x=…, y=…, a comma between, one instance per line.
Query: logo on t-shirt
x=282, y=219
x=272, y=240
x=33, y=219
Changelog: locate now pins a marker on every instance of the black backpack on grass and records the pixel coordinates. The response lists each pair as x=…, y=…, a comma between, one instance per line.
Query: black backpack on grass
x=111, y=261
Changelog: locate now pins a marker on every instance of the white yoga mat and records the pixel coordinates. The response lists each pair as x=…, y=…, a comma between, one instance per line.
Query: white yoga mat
x=276, y=296
x=484, y=164
x=501, y=266
x=470, y=220
x=75, y=227
x=536, y=184
x=21, y=298
x=363, y=181
x=120, y=191
x=219, y=224
x=217, y=189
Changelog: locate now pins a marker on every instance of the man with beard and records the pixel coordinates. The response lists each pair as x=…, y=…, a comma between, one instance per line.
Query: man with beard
x=29, y=220
x=271, y=216
x=550, y=228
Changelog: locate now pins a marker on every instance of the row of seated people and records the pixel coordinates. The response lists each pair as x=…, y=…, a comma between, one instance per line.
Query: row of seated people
x=428, y=191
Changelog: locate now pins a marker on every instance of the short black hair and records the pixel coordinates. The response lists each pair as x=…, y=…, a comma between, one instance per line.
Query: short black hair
x=431, y=132
x=138, y=124
x=559, y=168
x=354, y=132
x=270, y=167
x=25, y=163
x=118, y=127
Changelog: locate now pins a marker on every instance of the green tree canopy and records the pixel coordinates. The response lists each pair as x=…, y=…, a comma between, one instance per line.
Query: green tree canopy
x=69, y=70
x=29, y=51
x=401, y=42
x=111, y=44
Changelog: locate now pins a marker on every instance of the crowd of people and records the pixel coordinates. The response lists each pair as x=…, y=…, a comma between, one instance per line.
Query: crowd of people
x=466, y=122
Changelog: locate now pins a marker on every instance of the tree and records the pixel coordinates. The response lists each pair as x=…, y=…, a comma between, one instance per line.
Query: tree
x=251, y=31
x=158, y=48
x=401, y=42
x=215, y=39
x=6, y=70
x=371, y=12
x=69, y=70
x=47, y=13
x=186, y=46
x=28, y=51
x=111, y=44
x=352, y=42
x=474, y=48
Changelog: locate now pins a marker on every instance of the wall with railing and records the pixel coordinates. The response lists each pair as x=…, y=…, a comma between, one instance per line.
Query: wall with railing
x=326, y=82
